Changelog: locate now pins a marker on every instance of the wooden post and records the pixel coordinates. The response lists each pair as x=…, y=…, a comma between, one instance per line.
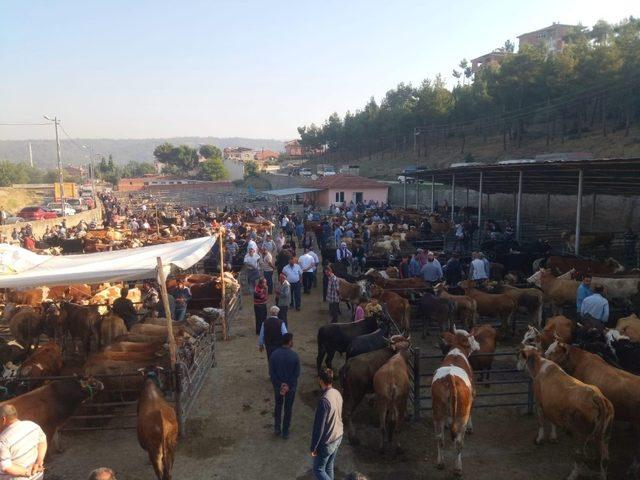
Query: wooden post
x=162, y=281
x=157, y=220
x=223, y=301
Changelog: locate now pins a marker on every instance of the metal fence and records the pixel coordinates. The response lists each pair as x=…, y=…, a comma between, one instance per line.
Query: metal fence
x=504, y=386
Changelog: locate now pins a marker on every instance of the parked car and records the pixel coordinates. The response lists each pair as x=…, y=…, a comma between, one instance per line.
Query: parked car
x=12, y=220
x=57, y=208
x=78, y=204
x=405, y=179
x=305, y=172
x=36, y=213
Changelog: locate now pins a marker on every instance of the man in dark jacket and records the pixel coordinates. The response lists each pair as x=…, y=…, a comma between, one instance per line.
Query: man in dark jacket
x=453, y=270
x=284, y=368
x=123, y=307
x=272, y=331
x=327, y=428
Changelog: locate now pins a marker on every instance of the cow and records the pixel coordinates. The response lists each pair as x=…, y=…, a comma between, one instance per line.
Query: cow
x=588, y=241
x=625, y=351
x=466, y=307
x=111, y=327
x=75, y=293
x=336, y=337
x=556, y=327
x=498, y=305
x=452, y=392
x=391, y=386
x=482, y=359
x=559, y=290
x=351, y=293
x=46, y=361
x=80, y=322
x=439, y=309
x=528, y=299
x=621, y=388
x=157, y=427
x=367, y=343
x=559, y=265
x=630, y=327
x=25, y=324
x=566, y=402
x=398, y=308
x=12, y=352
x=32, y=297
x=51, y=405
x=406, y=287
x=356, y=379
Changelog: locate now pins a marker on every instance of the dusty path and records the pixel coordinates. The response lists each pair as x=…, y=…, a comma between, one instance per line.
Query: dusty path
x=230, y=431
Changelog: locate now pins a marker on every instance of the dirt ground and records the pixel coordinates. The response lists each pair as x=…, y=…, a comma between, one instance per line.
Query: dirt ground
x=229, y=433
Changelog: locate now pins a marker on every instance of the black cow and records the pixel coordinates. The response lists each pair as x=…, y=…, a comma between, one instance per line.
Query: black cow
x=336, y=337
x=369, y=342
x=627, y=354
x=434, y=308
x=73, y=245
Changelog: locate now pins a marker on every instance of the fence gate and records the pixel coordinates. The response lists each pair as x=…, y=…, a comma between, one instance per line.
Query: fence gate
x=503, y=386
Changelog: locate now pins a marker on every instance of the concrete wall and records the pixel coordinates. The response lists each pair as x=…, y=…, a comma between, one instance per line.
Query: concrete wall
x=39, y=226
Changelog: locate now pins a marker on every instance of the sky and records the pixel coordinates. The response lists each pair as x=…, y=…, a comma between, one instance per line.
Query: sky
x=155, y=68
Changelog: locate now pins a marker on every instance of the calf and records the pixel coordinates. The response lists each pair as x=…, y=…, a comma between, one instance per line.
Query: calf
x=433, y=308
x=26, y=325
x=391, y=385
x=452, y=392
x=157, y=427
x=111, y=327
x=626, y=352
x=558, y=326
x=336, y=337
x=356, y=379
x=569, y=403
x=398, y=308
x=621, y=388
x=528, y=299
x=46, y=361
x=559, y=290
x=466, y=307
x=498, y=305
x=51, y=405
x=482, y=359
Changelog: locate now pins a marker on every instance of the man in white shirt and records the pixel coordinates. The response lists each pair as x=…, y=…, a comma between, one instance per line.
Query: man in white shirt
x=23, y=446
x=314, y=270
x=293, y=272
x=307, y=263
x=252, y=263
x=477, y=269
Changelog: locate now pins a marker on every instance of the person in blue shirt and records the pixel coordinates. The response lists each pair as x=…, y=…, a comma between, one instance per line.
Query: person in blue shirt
x=596, y=306
x=182, y=295
x=337, y=235
x=414, y=265
x=284, y=369
x=584, y=291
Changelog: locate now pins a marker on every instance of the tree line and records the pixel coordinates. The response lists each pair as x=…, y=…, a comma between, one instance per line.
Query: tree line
x=590, y=87
x=204, y=163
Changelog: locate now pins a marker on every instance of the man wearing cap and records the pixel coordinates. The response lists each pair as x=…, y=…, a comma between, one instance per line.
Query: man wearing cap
x=343, y=254
x=431, y=270
x=271, y=332
x=477, y=269
x=252, y=263
x=23, y=446
x=293, y=272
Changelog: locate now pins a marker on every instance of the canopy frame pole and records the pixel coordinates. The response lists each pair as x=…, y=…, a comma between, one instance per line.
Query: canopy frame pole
x=593, y=210
x=453, y=196
x=578, y=212
x=223, y=301
x=519, y=205
x=548, y=217
x=433, y=192
x=404, y=193
x=417, y=193
x=480, y=207
x=162, y=282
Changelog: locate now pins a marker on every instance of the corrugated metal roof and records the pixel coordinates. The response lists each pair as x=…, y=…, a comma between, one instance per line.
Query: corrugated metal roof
x=283, y=192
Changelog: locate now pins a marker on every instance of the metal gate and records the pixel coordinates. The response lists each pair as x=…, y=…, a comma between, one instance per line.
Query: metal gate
x=505, y=386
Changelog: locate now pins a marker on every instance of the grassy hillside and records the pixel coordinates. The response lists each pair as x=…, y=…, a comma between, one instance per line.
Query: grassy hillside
x=14, y=199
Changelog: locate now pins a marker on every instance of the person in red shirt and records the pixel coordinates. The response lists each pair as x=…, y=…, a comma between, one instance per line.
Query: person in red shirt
x=29, y=243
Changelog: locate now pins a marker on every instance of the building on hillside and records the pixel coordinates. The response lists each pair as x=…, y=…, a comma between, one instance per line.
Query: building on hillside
x=551, y=37
x=343, y=189
x=266, y=156
x=239, y=154
x=75, y=170
x=294, y=149
x=154, y=182
x=489, y=59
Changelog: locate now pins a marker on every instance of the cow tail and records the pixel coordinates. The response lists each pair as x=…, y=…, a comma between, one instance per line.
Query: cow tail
x=407, y=316
x=453, y=397
x=167, y=458
x=602, y=429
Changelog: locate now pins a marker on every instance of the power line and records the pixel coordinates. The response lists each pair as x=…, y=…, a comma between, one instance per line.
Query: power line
x=22, y=124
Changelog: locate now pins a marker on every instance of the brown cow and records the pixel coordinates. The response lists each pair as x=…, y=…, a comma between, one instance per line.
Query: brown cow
x=630, y=326
x=32, y=297
x=398, y=308
x=391, y=384
x=558, y=290
x=351, y=292
x=529, y=299
x=74, y=293
x=25, y=324
x=111, y=327
x=498, y=305
x=157, y=427
x=452, y=392
x=560, y=265
x=80, y=322
x=51, y=405
x=482, y=360
x=467, y=306
x=621, y=388
x=558, y=327
x=566, y=402
x=46, y=361
x=356, y=379
x=125, y=346
x=402, y=286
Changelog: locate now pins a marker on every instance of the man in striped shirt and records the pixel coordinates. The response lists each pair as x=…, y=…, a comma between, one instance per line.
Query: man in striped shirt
x=23, y=446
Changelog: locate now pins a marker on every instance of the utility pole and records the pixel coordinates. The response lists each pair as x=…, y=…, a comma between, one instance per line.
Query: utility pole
x=92, y=174
x=60, y=176
x=30, y=156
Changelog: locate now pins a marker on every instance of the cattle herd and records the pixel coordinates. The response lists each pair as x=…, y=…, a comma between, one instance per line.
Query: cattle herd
x=584, y=375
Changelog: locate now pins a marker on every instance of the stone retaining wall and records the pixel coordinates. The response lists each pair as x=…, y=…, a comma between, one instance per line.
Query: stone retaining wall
x=39, y=226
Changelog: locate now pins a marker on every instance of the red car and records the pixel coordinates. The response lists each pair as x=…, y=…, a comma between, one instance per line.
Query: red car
x=36, y=213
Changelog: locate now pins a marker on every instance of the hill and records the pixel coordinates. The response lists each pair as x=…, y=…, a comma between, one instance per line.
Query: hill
x=123, y=150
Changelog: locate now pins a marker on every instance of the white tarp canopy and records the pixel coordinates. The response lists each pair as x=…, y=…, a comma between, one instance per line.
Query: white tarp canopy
x=20, y=268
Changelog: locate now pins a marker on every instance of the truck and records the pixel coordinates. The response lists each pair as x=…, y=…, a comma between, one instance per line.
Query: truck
x=325, y=170
x=70, y=190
